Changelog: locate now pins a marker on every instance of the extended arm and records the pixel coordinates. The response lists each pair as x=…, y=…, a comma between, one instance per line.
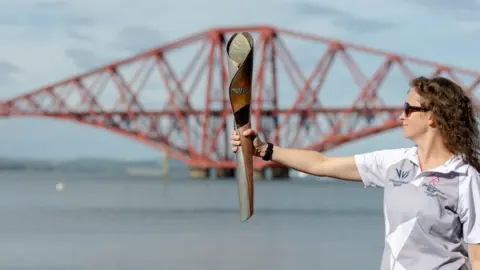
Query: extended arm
x=368, y=167
x=316, y=163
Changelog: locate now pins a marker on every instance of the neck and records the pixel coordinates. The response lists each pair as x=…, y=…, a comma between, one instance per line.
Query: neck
x=432, y=151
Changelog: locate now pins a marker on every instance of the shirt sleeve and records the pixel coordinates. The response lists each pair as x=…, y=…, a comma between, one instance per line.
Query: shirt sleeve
x=468, y=205
x=373, y=166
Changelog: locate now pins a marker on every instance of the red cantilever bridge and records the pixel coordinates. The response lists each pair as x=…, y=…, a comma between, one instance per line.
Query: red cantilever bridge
x=309, y=92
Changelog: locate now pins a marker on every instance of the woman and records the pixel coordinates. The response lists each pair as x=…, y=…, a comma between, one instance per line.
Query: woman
x=431, y=190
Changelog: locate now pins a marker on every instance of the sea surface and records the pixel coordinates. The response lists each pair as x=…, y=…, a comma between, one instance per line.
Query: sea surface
x=106, y=221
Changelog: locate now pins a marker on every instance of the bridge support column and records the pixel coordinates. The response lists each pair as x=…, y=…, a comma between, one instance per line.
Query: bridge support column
x=199, y=173
x=280, y=173
x=259, y=174
x=225, y=172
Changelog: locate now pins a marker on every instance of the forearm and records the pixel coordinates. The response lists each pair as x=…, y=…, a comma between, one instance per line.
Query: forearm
x=297, y=159
x=316, y=163
x=474, y=256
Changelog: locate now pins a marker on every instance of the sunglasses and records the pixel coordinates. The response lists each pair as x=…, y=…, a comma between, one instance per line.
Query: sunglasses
x=408, y=109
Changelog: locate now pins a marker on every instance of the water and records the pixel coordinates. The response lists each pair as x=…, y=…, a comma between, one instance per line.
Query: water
x=110, y=222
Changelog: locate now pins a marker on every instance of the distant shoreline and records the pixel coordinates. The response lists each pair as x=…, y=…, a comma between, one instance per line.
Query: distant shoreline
x=80, y=164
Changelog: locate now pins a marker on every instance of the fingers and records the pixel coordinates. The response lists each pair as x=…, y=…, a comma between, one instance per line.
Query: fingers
x=249, y=132
x=235, y=138
x=235, y=141
x=245, y=133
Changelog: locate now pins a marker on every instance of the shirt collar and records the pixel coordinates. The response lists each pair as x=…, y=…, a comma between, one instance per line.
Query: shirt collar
x=454, y=164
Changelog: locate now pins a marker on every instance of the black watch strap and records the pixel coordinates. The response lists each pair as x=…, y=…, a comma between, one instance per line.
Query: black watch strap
x=268, y=152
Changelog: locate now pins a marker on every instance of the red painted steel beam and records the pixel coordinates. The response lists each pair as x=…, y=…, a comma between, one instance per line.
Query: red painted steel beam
x=154, y=97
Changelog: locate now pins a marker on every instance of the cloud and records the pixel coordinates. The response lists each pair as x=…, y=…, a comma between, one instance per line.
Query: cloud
x=46, y=41
x=84, y=59
x=365, y=26
x=52, y=5
x=76, y=34
x=45, y=17
x=316, y=9
x=460, y=10
x=343, y=19
x=8, y=71
x=137, y=38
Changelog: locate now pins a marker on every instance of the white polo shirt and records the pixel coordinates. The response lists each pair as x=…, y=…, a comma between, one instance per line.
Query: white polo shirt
x=427, y=214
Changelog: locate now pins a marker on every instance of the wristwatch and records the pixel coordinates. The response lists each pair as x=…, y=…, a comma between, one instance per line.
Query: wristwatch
x=268, y=152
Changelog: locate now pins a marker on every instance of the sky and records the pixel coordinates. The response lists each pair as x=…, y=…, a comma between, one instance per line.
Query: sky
x=47, y=41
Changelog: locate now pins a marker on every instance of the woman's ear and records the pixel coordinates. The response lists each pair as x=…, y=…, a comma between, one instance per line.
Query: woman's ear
x=431, y=120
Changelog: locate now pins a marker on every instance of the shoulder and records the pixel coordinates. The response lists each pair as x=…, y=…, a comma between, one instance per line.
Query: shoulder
x=373, y=166
x=386, y=156
x=468, y=177
x=469, y=180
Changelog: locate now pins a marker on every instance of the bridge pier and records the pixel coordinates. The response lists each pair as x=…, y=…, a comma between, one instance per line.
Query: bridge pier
x=280, y=173
x=276, y=173
x=199, y=173
x=225, y=173
x=259, y=174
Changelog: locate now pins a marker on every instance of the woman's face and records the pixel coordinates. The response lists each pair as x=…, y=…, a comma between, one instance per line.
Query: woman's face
x=415, y=122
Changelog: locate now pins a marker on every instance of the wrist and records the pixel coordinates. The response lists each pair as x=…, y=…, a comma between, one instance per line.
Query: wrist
x=267, y=152
x=259, y=151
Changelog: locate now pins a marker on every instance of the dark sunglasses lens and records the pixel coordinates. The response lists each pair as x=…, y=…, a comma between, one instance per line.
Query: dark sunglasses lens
x=406, y=109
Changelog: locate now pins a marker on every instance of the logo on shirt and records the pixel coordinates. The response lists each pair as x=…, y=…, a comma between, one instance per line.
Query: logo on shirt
x=430, y=188
x=401, y=176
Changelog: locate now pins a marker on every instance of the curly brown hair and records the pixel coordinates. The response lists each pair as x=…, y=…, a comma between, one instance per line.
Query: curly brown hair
x=454, y=116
